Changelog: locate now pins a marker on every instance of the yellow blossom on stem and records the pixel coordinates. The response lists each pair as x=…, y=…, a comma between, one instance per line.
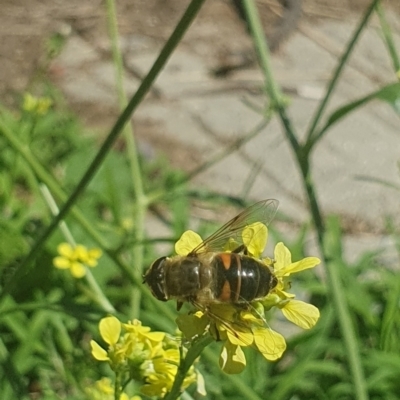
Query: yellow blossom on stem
x=103, y=389
x=110, y=330
x=238, y=328
x=76, y=258
x=36, y=105
x=300, y=313
x=134, y=351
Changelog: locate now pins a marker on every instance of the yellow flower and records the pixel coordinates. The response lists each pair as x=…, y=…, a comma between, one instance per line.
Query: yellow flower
x=300, y=313
x=160, y=374
x=104, y=386
x=143, y=332
x=187, y=242
x=76, y=258
x=255, y=238
x=110, y=330
x=104, y=390
x=146, y=356
x=237, y=327
x=36, y=105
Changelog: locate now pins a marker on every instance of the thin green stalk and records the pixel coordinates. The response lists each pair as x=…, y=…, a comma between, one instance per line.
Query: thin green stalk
x=257, y=31
x=339, y=297
x=97, y=294
x=161, y=60
x=133, y=157
x=302, y=158
x=389, y=41
x=272, y=88
x=226, y=151
x=312, y=135
x=193, y=353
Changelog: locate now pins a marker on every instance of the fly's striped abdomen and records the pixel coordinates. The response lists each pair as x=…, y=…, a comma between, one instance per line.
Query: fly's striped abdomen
x=240, y=279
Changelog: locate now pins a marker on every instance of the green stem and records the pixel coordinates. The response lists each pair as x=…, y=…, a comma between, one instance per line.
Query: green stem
x=387, y=34
x=302, y=156
x=261, y=47
x=97, y=294
x=312, y=135
x=193, y=353
x=338, y=296
x=226, y=151
x=272, y=88
x=161, y=60
x=133, y=157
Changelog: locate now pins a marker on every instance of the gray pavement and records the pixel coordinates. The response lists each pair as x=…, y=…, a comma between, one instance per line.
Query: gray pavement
x=201, y=114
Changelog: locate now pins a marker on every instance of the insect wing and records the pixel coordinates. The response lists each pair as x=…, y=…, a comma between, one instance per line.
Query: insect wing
x=263, y=211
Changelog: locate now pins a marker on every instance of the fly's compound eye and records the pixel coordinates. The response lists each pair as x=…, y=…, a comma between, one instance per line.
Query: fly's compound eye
x=155, y=278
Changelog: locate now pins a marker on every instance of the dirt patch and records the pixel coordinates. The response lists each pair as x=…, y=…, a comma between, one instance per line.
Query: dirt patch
x=26, y=26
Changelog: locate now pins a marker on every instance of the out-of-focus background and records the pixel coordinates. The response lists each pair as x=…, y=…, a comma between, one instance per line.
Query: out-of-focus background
x=205, y=118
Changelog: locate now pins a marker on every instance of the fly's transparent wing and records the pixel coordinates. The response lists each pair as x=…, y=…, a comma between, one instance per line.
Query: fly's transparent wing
x=263, y=211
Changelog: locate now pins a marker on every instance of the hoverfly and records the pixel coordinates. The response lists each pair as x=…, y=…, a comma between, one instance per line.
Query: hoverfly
x=209, y=275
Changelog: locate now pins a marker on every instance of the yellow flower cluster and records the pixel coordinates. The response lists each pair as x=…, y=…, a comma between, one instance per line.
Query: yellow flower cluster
x=104, y=390
x=76, y=258
x=238, y=327
x=149, y=357
x=36, y=105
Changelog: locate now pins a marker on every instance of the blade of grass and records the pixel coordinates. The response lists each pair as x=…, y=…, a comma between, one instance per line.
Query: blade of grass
x=141, y=200
x=389, y=94
x=161, y=60
x=390, y=325
x=272, y=88
x=387, y=34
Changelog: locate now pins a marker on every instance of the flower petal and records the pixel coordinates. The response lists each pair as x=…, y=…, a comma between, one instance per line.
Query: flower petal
x=155, y=336
x=240, y=337
x=98, y=352
x=65, y=249
x=187, y=242
x=110, y=329
x=92, y=256
x=200, y=384
x=305, y=263
x=255, y=238
x=302, y=314
x=61, y=262
x=81, y=253
x=232, y=359
x=282, y=257
x=77, y=270
x=271, y=344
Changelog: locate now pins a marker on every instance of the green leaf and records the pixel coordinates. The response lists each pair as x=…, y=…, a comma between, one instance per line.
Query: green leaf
x=389, y=94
